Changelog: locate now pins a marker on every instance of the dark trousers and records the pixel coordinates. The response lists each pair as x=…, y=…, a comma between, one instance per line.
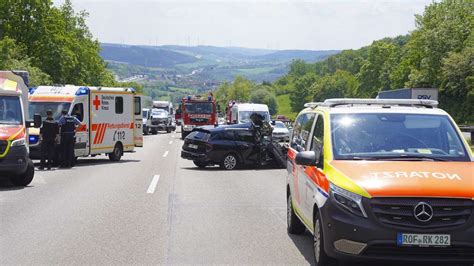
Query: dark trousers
x=67, y=147
x=47, y=152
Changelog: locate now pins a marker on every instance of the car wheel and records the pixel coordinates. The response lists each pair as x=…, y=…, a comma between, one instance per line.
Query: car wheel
x=229, y=162
x=294, y=225
x=168, y=130
x=320, y=257
x=200, y=164
x=116, y=154
x=23, y=180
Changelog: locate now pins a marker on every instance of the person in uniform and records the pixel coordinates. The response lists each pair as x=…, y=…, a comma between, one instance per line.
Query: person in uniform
x=48, y=135
x=67, y=124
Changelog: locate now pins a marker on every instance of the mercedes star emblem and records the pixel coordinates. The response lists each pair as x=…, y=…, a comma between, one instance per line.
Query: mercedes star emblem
x=423, y=212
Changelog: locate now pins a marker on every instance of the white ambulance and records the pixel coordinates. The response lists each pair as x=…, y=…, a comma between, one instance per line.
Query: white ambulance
x=112, y=118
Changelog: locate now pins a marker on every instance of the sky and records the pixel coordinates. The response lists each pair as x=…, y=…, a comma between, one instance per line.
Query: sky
x=269, y=24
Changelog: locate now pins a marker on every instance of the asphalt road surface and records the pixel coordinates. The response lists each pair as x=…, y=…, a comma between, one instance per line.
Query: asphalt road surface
x=150, y=208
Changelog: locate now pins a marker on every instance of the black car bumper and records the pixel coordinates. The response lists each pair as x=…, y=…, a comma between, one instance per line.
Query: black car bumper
x=15, y=162
x=350, y=237
x=194, y=156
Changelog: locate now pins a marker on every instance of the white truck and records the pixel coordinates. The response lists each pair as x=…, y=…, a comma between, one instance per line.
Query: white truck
x=239, y=113
x=15, y=163
x=111, y=117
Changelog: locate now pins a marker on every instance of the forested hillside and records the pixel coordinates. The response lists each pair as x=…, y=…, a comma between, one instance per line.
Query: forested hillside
x=439, y=54
x=53, y=43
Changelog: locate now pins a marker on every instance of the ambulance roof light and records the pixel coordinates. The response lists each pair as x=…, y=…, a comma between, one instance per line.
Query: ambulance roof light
x=31, y=90
x=82, y=91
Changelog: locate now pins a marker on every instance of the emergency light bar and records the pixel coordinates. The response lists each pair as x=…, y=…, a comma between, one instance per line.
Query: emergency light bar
x=386, y=102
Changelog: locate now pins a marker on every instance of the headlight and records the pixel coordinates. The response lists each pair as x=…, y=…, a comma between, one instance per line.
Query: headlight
x=348, y=200
x=19, y=142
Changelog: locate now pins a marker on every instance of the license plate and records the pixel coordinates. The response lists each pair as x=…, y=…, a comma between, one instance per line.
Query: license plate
x=423, y=240
x=192, y=146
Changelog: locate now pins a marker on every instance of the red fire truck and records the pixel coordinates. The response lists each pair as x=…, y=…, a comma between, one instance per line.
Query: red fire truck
x=197, y=111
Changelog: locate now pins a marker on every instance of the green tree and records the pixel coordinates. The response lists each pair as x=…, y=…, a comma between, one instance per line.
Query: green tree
x=300, y=92
x=341, y=84
x=13, y=57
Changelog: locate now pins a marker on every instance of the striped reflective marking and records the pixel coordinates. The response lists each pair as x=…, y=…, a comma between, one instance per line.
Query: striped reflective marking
x=104, y=129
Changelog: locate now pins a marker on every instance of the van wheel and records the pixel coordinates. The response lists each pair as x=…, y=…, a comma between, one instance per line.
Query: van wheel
x=23, y=180
x=320, y=257
x=293, y=223
x=116, y=154
x=200, y=164
x=168, y=130
x=229, y=162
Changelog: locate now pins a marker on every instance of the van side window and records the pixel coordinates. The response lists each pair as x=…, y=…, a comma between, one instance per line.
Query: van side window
x=301, y=131
x=119, y=105
x=137, y=105
x=318, y=139
x=78, y=111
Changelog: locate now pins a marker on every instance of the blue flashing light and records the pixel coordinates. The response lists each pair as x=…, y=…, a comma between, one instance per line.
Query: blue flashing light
x=189, y=97
x=132, y=90
x=33, y=139
x=82, y=91
x=31, y=90
x=209, y=98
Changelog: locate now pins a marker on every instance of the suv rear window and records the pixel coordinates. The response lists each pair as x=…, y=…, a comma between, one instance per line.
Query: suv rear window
x=199, y=135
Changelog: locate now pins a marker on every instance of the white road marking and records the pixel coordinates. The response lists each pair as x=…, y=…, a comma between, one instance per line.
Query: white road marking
x=171, y=142
x=165, y=154
x=154, y=182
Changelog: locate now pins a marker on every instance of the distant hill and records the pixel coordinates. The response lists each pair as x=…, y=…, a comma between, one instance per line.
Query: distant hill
x=144, y=56
x=201, y=67
x=289, y=55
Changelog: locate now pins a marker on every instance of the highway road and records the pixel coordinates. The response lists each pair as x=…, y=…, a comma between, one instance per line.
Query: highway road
x=150, y=208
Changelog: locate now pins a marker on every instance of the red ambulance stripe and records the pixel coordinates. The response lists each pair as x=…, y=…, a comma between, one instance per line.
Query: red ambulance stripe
x=96, y=138
x=103, y=134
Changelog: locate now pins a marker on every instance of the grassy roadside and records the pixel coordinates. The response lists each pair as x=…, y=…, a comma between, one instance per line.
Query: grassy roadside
x=284, y=107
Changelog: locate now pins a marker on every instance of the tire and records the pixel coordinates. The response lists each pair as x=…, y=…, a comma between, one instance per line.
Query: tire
x=294, y=225
x=24, y=179
x=168, y=130
x=200, y=164
x=183, y=134
x=320, y=257
x=154, y=131
x=229, y=162
x=145, y=130
x=117, y=153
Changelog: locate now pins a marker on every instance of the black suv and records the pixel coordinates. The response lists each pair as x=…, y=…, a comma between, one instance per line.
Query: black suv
x=230, y=146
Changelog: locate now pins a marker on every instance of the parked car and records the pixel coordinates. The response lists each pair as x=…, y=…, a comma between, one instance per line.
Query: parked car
x=280, y=132
x=231, y=146
x=376, y=179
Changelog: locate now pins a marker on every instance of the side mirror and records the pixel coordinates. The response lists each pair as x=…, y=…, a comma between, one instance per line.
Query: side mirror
x=273, y=122
x=308, y=158
x=37, y=121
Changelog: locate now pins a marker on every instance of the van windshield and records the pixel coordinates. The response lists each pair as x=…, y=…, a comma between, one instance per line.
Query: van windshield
x=395, y=136
x=10, y=110
x=244, y=116
x=42, y=107
x=199, y=108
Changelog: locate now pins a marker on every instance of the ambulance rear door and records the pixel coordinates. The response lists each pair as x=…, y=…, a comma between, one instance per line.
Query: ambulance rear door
x=137, y=129
x=80, y=109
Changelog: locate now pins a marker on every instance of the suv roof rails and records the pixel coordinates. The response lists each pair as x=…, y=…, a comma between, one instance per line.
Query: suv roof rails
x=385, y=102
